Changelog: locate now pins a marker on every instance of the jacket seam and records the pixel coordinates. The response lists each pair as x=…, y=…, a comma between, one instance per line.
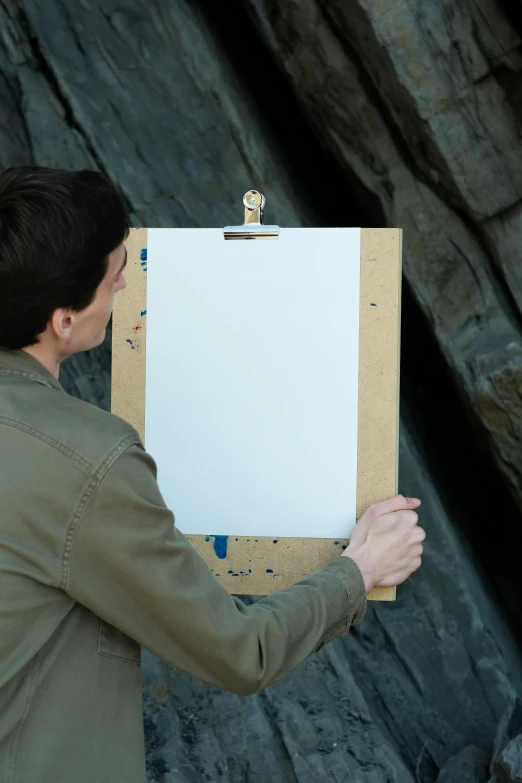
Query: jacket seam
x=79, y=512
x=31, y=376
x=345, y=620
x=333, y=632
x=350, y=597
x=13, y=747
x=341, y=580
x=344, y=623
x=362, y=614
x=360, y=574
x=58, y=445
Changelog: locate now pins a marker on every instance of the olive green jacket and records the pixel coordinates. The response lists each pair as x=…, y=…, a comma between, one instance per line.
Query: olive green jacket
x=92, y=567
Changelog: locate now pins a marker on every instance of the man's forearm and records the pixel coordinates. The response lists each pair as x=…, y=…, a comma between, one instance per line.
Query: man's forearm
x=152, y=584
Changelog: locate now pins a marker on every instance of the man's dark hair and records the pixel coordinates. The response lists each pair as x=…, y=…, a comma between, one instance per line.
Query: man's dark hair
x=57, y=229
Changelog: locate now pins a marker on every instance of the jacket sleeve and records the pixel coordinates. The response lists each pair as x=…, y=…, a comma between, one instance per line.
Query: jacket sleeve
x=133, y=568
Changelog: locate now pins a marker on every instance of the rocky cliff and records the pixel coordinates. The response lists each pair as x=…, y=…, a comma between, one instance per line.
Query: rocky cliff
x=342, y=113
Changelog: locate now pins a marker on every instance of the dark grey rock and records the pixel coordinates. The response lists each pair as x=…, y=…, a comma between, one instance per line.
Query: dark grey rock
x=510, y=725
x=508, y=742
x=508, y=765
x=154, y=102
x=471, y=765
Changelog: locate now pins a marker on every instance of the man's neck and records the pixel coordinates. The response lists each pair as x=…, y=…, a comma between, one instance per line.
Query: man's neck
x=48, y=358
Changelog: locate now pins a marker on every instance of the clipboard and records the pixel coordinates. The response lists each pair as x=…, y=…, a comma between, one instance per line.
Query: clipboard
x=259, y=565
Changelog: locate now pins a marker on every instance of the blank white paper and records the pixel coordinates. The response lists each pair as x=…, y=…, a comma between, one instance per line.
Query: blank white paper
x=252, y=380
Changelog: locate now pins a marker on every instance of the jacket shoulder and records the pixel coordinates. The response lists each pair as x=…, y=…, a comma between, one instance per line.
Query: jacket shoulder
x=69, y=424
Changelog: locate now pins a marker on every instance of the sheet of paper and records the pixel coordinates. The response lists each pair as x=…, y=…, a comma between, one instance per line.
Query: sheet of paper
x=252, y=380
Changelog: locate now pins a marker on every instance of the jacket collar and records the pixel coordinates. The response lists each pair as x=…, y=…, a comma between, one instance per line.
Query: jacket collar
x=22, y=364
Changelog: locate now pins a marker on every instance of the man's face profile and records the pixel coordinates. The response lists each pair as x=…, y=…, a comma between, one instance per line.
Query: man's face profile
x=85, y=329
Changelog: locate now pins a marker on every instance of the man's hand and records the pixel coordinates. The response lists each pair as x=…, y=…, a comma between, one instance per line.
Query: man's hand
x=386, y=543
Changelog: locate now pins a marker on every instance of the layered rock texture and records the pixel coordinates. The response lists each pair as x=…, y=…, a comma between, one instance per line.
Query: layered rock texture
x=350, y=112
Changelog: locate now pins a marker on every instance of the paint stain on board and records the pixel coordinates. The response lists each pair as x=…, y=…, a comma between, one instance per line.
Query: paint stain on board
x=131, y=344
x=143, y=312
x=220, y=546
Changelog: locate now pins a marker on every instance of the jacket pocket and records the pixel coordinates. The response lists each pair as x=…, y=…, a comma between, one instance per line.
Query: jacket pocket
x=115, y=644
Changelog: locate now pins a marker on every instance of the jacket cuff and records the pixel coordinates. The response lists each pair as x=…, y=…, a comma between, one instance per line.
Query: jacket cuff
x=349, y=601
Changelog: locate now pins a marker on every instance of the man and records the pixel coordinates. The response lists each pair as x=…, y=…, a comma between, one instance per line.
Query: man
x=91, y=563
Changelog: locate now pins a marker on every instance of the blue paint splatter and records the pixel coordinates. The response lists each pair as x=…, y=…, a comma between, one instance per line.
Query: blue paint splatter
x=269, y=571
x=220, y=546
x=373, y=305
x=336, y=543
x=207, y=539
x=275, y=541
x=143, y=312
x=131, y=345
x=143, y=254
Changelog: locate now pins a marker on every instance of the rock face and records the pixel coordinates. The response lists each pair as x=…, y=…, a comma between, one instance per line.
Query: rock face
x=506, y=762
x=508, y=766
x=343, y=114
x=470, y=764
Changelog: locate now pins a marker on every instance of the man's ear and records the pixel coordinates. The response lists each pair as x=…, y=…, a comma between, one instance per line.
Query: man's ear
x=61, y=322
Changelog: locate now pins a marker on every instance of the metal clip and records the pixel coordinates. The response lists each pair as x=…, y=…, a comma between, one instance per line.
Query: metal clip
x=253, y=228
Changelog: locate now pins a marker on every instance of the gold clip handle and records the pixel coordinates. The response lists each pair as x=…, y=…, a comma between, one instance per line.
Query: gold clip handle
x=254, y=205
x=253, y=227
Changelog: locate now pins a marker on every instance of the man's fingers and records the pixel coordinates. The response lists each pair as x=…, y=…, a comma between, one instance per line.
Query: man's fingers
x=397, y=503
